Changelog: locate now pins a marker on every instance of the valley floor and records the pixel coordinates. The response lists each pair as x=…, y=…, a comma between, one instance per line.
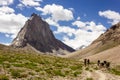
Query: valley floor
x=20, y=65
x=98, y=75
x=90, y=73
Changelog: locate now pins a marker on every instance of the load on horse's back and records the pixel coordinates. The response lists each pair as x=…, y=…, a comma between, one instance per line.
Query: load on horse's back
x=108, y=65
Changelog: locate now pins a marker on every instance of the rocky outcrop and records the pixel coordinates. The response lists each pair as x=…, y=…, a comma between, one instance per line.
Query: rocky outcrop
x=37, y=33
x=112, y=34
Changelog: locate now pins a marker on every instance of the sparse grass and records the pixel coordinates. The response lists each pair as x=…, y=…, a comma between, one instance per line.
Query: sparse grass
x=96, y=68
x=20, y=64
x=31, y=73
x=23, y=75
x=76, y=73
x=115, y=70
x=89, y=79
x=91, y=70
x=15, y=73
x=3, y=77
x=87, y=68
x=75, y=67
x=58, y=73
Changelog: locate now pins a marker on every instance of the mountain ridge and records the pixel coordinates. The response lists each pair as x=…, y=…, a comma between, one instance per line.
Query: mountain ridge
x=101, y=48
x=112, y=34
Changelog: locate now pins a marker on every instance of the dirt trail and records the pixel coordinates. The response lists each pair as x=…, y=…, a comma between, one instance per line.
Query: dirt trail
x=91, y=75
x=93, y=72
x=95, y=75
x=98, y=75
x=102, y=76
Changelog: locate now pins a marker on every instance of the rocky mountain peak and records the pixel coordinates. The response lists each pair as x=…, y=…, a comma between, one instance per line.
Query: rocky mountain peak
x=116, y=26
x=37, y=34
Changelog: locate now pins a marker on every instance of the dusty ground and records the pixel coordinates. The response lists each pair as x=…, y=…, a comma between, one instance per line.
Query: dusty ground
x=89, y=73
x=112, y=55
x=98, y=75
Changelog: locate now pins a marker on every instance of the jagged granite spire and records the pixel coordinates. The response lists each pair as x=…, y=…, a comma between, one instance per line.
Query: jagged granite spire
x=37, y=33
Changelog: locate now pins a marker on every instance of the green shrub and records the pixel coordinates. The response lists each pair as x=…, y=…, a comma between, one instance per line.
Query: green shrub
x=96, y=68
x=31, y=73
x=23, y=75
x=49, y=71
x=18, y=65
x=30, y=65
x=77, y=73
x=87, y=68
x=59, y=73
x=89, y=79
x=74, y=67
x=91, y=70
x=115, y=71
x=7, y=65
x=4, y=77
x=15, y=74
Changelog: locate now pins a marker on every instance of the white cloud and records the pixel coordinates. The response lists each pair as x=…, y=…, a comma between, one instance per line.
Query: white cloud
x=38, y=8
x=7, y=35
x=65, y=29
x=30, y=3
x=89, y=26
x=111, y=15
x=6, y=10
x=78, y=18
x=60, y=29
x=72, y=9
x=57, y=12
x=82, y=36
x=51, y=22
x=7, y=44
x=6, y=2
x=79, y=24
x=11, y=23
x=20, y=6
x=93, y=27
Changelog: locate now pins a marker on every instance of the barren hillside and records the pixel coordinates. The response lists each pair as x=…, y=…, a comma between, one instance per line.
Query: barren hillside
x=105, y=47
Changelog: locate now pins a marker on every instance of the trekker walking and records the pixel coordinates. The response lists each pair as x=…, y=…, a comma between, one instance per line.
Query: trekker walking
x=85, y=62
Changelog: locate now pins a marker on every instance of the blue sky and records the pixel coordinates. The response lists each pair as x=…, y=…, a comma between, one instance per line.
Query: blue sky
x=74, y=22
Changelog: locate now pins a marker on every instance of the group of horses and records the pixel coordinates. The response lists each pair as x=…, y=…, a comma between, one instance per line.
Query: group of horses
x=103, y=64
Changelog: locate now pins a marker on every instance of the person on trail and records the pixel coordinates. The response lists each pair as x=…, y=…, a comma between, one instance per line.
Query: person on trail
x=98, y=63
x=85, y=62
x=88, y=62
